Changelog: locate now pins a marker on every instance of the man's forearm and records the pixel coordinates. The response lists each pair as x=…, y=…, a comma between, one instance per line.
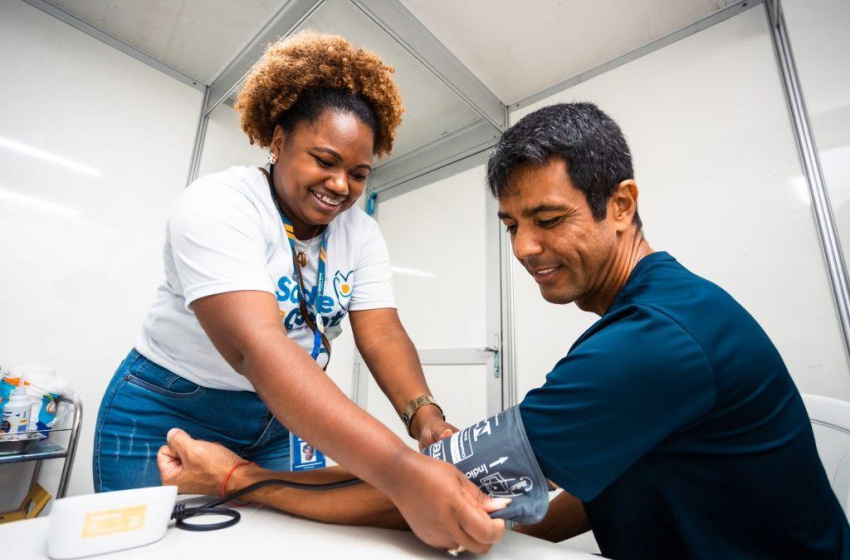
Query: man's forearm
x=360, y=504
x=565, y=519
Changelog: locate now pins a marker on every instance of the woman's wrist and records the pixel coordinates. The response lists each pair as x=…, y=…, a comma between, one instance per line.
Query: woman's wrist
x=395, y=482
x=416, y=408
x=425, y=415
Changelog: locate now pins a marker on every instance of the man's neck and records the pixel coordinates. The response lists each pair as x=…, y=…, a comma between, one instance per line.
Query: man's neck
x=628, y=254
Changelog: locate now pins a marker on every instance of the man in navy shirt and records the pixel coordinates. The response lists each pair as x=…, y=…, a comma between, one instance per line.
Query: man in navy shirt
x=672, y=423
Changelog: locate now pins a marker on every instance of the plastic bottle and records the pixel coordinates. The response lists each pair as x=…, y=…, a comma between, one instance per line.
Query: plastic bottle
x=44, y=387
x=8, y=382
x=16, y=412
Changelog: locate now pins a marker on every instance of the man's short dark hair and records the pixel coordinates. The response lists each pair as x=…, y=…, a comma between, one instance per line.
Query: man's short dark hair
x=597, y=155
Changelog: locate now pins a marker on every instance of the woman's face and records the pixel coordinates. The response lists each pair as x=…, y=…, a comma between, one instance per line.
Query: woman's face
x=321, y=168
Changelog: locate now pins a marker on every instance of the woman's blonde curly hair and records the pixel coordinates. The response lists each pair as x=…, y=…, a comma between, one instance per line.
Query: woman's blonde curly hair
x=308, y=61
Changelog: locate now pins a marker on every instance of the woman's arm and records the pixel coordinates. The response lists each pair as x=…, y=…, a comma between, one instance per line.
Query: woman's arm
x=443, y=508
x=393, y=361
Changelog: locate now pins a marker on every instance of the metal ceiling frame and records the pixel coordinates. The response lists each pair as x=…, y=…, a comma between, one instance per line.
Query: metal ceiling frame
x=116, y=43
x=410, y=33
x=200, y=136
x=472, y=139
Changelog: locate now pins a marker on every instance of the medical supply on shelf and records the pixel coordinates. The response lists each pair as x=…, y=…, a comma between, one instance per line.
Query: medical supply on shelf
x=8, y=383
x=44, y=387
x=99, y=523
x=495, y=454
x=16, y=412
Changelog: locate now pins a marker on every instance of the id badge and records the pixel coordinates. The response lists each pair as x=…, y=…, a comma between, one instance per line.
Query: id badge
x=303, y=456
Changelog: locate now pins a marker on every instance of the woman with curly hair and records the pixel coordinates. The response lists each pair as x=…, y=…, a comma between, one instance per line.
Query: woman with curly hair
x=261, y=267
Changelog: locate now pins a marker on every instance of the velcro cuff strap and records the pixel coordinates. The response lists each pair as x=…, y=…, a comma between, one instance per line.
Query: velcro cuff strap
x=496, y=456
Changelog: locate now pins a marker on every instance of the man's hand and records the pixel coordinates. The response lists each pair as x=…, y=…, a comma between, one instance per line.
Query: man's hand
x=428, y=426
x=194, y=466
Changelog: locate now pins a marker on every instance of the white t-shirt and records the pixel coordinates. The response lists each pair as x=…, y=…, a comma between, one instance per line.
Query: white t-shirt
x=225, y=234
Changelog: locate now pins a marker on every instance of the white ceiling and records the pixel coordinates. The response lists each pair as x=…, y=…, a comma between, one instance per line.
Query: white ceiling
x=519, y=48
x=516, y=48
x=197, y=37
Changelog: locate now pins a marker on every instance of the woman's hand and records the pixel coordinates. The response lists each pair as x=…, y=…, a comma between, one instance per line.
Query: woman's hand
x=194, y=466
x=443, y=508
x=428, y=426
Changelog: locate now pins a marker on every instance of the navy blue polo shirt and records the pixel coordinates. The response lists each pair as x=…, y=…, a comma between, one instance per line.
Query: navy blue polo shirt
x=675, y=421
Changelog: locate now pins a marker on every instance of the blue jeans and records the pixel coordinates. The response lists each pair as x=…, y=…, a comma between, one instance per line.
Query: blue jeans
x=143, y=401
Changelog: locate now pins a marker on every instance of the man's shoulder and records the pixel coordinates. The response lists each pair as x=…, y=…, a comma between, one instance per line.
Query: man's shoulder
x=636, y=337
x=667, y=288
x=708, y=316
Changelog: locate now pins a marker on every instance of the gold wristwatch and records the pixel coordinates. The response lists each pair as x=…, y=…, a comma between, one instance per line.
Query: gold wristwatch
x=413, y=407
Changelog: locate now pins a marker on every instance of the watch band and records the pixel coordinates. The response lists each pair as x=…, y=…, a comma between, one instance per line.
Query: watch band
x=413, y=407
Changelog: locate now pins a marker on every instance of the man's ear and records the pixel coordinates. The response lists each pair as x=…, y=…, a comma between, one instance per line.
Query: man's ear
x=623, y=204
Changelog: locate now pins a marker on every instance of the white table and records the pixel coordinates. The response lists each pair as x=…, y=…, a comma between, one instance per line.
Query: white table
x=265, y=533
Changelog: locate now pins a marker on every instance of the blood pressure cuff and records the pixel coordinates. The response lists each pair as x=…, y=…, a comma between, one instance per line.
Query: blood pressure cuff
x=496, y=456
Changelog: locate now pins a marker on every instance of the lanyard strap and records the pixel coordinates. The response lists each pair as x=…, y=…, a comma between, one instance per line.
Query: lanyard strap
x=315, y=323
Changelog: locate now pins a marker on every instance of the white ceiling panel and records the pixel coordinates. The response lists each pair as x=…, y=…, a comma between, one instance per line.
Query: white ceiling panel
x=518, y=48
x=197, y=37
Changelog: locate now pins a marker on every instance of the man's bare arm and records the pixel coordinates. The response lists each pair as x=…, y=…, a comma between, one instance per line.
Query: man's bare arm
x=200, y=467
x=360, y=504
x=565, y=519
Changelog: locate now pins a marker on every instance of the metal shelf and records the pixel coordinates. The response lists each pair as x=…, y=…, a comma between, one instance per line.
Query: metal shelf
x=44, y=450
x=41, y=451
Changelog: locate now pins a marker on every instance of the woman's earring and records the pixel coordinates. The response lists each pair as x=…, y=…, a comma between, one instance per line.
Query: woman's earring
x=272, y=158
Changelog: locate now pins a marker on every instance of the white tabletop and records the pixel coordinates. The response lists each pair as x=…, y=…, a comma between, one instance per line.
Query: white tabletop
x=266, y=533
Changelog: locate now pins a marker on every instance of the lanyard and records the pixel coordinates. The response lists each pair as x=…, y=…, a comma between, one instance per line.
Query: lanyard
x=320, y=282
x=315, y=323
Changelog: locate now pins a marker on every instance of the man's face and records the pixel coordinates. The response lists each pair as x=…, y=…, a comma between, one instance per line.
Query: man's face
x=554, y=233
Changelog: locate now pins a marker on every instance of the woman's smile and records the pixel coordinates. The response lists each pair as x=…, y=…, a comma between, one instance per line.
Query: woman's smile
x=329, y=201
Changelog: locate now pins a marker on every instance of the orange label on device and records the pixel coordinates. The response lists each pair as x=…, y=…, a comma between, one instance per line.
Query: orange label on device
x=109, y=522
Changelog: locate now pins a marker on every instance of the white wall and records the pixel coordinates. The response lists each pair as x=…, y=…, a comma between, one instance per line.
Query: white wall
x=80, y=247
x=721, y=189
x=436, y=237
